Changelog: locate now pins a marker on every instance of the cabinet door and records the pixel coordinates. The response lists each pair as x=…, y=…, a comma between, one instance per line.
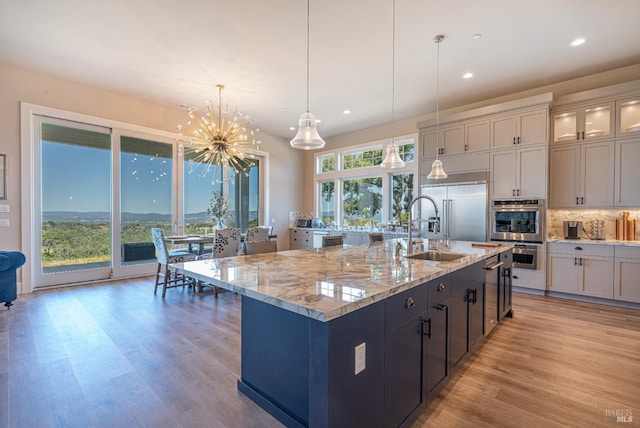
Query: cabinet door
x=476, y=315
x=628, y=117
x=563, y=273
x=477, y=136
x=596, y=174
x=403, y=381
x=428, y=143
x=504, y=131
x=532, y=172
x=597, y=121
x=452, y=140
x=626, y=283
x=459, y=324
x=437, y=348
x=596, y=277
x=564, y=167
x=503, y=173
x=627, y=190
x=532, y=127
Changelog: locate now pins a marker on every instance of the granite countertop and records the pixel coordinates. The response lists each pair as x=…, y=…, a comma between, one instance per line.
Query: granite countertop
x=325, y=283
x=596, y=242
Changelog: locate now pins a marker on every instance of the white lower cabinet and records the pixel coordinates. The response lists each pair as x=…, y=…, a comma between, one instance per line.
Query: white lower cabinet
x=627, y=274
x=581, y=269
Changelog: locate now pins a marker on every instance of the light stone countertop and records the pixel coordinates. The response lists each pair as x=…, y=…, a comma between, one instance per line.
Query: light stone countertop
x=325, y=283
x=596, y=242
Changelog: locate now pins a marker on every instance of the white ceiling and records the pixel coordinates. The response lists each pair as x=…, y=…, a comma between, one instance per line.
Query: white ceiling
x=176, y=51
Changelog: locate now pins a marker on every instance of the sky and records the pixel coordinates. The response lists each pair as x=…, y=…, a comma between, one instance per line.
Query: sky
x=76, y=178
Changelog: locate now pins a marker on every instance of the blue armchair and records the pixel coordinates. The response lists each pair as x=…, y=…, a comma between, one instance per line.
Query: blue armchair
x=10, y=261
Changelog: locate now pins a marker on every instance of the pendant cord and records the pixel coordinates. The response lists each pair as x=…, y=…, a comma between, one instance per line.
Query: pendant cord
x=393, y=77
x=308, y=14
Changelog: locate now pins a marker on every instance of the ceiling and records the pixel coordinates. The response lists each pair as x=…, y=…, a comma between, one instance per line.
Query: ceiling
x=175, y=52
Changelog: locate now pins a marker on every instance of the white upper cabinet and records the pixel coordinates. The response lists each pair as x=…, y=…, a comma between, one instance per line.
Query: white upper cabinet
x=456, y=139
x=584, y=123
x=628, y=123
x=519, y=173
x=513, y=130
x=627, y=173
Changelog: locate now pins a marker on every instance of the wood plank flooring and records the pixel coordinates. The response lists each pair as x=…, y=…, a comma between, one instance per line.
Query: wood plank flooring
x=115, y=355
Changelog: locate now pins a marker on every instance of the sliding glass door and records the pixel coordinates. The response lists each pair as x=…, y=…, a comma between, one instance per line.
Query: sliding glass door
x=73, y=219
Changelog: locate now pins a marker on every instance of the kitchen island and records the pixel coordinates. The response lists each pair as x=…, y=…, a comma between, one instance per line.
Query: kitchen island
x=351, y=335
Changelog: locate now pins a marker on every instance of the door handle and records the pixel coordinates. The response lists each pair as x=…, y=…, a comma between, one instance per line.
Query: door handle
x=428, y=332
x=493, y=266
x=441, y=307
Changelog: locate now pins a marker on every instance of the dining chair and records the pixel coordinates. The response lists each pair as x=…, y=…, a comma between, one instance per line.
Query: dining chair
x=332, y=240
x=225, y=244
x=10, y=261
x=260, y=233
x=376, y=237
x=260, y=247
x=171, y=278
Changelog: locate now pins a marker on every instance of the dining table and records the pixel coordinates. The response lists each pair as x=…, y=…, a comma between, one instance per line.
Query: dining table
x=199, y=240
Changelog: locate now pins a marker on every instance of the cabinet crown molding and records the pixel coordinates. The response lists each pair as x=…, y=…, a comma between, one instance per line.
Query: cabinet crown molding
x=599, y=94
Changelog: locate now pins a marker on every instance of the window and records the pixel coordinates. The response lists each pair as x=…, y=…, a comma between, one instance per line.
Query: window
x=362, y=201
x=243, y=193
x=353, y=191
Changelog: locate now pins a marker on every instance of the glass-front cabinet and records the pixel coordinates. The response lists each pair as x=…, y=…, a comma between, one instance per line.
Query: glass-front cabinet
x=628, y=117
x=583, y=124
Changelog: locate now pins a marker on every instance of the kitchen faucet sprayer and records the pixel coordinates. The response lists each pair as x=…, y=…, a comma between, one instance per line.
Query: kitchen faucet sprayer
x=436, y=224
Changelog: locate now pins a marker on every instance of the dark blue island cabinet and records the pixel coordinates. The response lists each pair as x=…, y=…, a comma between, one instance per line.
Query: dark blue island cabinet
x=373, y=367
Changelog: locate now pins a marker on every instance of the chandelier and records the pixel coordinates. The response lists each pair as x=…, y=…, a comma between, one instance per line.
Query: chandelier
x=219, y=139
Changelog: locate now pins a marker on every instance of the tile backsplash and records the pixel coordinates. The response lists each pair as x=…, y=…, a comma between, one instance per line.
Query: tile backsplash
x=555, y=219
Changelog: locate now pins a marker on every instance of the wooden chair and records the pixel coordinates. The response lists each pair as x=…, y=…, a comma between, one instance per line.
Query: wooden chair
x=332, y=240
x=260, y=247
x=376, y=237
x=171, y=278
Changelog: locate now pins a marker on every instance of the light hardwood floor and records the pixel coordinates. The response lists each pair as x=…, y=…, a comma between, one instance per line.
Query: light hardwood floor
x=115, y=355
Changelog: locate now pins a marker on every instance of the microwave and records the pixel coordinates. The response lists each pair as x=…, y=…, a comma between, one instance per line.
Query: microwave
x=517, y=220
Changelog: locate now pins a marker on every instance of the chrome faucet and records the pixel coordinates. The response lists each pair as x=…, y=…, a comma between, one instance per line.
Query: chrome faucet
x=436, y=224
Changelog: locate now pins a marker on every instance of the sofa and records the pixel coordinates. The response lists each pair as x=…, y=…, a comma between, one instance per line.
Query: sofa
x=10, y=261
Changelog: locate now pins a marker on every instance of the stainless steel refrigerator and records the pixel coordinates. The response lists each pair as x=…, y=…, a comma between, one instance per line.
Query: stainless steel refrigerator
x=462, y=209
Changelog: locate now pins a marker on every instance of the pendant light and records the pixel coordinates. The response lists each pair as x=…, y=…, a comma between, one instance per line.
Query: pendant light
x=393, y=159
x=307, y=137
x=437, y=171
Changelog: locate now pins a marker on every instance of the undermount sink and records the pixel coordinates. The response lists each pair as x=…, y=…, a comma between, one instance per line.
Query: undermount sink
x=438, y=256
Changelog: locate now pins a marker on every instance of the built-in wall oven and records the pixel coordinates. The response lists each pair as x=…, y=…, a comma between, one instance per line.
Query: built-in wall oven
x=517, y=220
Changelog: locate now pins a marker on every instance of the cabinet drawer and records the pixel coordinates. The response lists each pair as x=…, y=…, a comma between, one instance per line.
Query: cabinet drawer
x=581, y=249
x=439, y=290
x=627, y=252
x=406, y=305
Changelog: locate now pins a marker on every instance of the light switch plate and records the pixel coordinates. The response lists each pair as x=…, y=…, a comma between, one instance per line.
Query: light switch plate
x=361, y=357
x=4, y=222
x=4, y=208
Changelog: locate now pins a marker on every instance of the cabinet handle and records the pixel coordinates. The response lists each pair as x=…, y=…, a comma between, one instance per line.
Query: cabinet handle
x=517, y=192
x=577, y=200
x=475, y=296
x=580, y=261
x=578, y=135
x=428, y=332
x=518, y=140
x=441, y=288
x=514, y=140
x=466, y=147
x=575, y=261
x=515, y=277
x=578, y=248
x=583, y=135
x=441, y=307
x=581, y=200
x=410, y=303
x=513, y=192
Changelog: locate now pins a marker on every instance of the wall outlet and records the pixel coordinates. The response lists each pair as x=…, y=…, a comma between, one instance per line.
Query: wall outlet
x=4, y=222
x=4, y=208
x=361, y=357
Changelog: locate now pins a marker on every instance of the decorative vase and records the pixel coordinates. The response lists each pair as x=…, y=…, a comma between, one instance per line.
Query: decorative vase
x=220, y=225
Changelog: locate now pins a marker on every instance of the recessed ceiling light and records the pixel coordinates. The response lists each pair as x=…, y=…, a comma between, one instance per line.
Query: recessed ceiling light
x=578, y=42
x=468, y=75
x=346, y=112
x=476, y=36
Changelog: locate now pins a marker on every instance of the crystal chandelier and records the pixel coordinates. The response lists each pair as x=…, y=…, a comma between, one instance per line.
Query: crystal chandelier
x=393, y=159
x=219, y=139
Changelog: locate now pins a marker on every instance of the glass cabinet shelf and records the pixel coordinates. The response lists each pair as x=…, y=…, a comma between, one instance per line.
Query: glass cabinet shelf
x=583, y=124
x=629, y=114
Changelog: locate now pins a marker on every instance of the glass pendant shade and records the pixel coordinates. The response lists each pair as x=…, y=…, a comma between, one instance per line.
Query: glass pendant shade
x=392, y=159
x=437, y=171
x=307, y=137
